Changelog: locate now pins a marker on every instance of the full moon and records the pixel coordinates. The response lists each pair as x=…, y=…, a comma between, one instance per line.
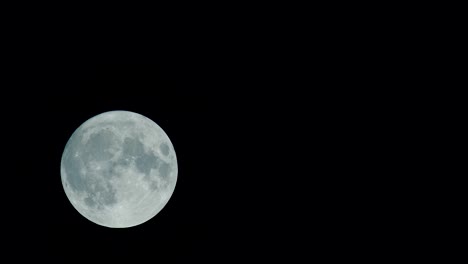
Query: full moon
x=119, y=169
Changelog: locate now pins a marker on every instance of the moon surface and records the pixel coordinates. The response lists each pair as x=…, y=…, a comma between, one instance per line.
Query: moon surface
x=119, y=169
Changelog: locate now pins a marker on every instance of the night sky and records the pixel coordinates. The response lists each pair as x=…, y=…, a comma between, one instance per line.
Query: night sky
x=214, y=118
x=238, y=117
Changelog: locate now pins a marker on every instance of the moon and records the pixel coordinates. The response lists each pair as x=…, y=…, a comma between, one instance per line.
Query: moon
x=119, y=169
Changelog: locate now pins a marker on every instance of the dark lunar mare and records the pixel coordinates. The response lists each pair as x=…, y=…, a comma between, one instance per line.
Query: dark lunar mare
x=95, y=149
x=133, y=149
x=164, y=170
x=164, y=149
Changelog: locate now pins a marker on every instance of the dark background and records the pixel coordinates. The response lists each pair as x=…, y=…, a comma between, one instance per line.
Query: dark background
x=157, y=94
x=261, y=157
x=271, y=166
x=292, y=136
x=224, y=121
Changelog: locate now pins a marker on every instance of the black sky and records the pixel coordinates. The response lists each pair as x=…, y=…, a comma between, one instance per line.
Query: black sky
x=282, y=142
x=216, y=119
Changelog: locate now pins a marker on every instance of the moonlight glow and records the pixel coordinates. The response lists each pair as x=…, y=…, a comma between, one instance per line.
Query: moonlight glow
x=119, y=169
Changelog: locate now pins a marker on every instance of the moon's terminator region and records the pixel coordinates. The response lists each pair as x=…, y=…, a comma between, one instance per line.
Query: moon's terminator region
x=119, y=169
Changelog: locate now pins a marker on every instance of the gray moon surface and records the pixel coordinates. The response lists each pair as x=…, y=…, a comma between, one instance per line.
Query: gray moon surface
x=119, y=169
